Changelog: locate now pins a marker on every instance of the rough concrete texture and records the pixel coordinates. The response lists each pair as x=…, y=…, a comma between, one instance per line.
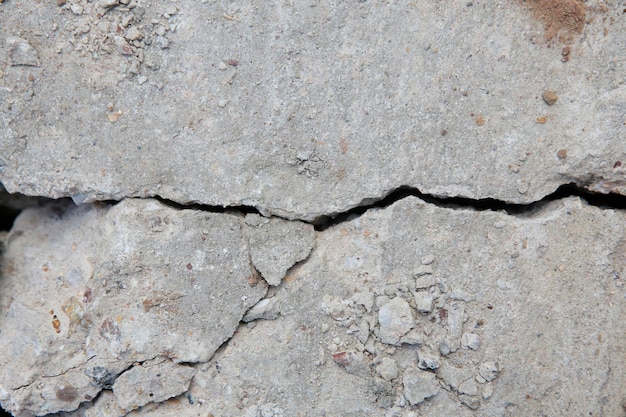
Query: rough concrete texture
x=273, y=116
x=305, y=109
x=89, y=291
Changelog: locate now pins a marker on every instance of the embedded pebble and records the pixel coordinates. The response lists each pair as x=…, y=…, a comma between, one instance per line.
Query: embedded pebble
x=424, y=301
x=22, y=53
x=470, y=401
x=387, y=369
x=354, y=362
x=487, y=391
x=133, y=34
x=151, y=382
x=395, y=319
x=455, y=325
x=469, y=387
x=266, y=309
x=107, y=4
x=428, y=259
x=549, y=97
x=470, y=340
x=489, y=370
x=427, y=359
x=419, y=385
x=422, y=270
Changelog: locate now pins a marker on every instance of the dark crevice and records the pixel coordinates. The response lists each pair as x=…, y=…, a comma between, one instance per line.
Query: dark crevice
x=605, y=201
x=12, y=204
x=235, y=210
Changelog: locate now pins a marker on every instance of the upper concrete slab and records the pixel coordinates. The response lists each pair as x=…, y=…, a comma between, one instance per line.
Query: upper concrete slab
x=309, y=108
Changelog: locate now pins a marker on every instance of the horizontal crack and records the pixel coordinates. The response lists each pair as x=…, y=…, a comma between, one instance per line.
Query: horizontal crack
x=323, y=222
x=605, y=201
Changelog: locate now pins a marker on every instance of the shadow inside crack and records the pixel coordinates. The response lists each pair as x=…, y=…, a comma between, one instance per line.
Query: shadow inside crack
x=604, y=201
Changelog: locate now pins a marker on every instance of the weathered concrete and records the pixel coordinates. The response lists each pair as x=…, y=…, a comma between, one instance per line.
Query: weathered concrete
x=307, y=109
x=303, y=111
x=88, y=291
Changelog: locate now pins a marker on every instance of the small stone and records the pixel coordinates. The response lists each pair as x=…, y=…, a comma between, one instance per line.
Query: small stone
x=114, y=116
x=444, y=349
x=469, y=387
x=107, y=4
x=425, y=281
x=487, y=391
x=395, y=320
x=470, y=340
x=427, y=359
x=470, y=401
x=266, y=309
x=171, y=10
x=422, y=270
x=541, y=120
x=354, y=362
x=419, y=385
x=142, y=79
x=222, y=103
x=133, y=34
x=77, y=9
x=562, y=153
x=162, y=42
x=489, y=370
x=222, y=65
x=365, y=299
x=424, y=301
x=456, y=314
x=387, y=369
x=549, y=97
x=22, y=53
x=151, y=382
x=428, y=259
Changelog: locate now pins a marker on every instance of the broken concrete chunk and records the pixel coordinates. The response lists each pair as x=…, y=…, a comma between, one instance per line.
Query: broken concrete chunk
x=456, y=315
x=276, y=245
x=387, y=369
x=469, y=387
x=353, y=361
x=96, y=288
x=470, y=341
x=424, y=302
x=470, y=401
x=266, y=309
x=395, y=319
x=427, y=359
x=153, y=381
x=489, y=370
x=419, y=385
x=21, y=52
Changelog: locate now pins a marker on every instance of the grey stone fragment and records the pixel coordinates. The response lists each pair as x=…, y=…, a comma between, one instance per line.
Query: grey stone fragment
x=154, y=381
x=395, y=319
x=471, y=401
x=427, y=359
x=424, y=301
x=489, y=370
x=469, y=387
x=419, y=385
x=21, y=52
x=266, y=309
x=456, y=315
x=276, y=245
x=470, y=341
x=453, y=374
x=387, y=369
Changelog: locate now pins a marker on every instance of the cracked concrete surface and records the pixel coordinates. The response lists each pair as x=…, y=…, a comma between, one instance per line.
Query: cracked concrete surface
x=201, y=142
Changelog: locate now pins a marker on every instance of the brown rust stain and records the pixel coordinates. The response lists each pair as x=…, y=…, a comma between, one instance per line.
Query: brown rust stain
x=562, y=19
